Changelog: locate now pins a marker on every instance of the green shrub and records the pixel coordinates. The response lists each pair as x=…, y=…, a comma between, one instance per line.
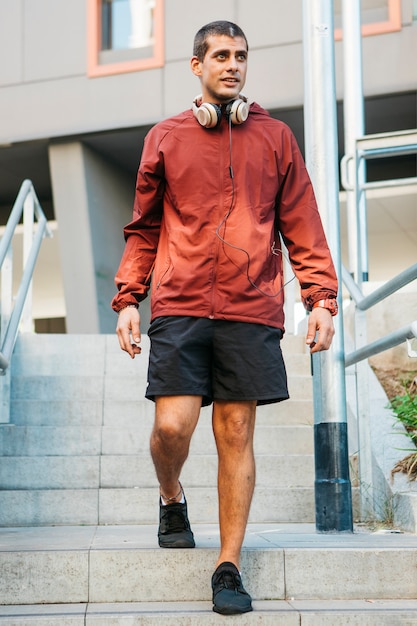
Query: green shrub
x=405, y=409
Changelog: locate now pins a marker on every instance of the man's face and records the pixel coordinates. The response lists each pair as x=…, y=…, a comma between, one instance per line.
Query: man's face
x=223, y=71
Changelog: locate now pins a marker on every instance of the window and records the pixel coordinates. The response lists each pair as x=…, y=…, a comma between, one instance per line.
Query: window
x=124, y=36
x=377, y=17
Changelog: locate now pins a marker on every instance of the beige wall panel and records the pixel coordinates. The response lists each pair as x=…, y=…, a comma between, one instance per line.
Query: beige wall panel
x=122, y=100
x=10, y=42
x=54, y=39
x=275, y=77
x=183, y=18
x=389, y=62
x=59, y=108
x=407, y=11
x=388, y=255
x=270, y=22
x=392, y=231
x=181, y=87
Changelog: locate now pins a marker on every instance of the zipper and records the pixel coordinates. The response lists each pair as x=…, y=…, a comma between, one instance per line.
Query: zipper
x=223, y=181
x=164, y=273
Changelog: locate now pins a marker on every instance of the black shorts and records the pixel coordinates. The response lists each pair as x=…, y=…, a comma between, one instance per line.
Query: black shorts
x=215, y=359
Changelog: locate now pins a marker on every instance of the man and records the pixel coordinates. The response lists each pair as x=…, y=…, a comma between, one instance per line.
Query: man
x=217, y=187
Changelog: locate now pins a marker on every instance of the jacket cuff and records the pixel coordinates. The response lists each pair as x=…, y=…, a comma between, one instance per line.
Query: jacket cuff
x=320, y=295
x=118, y=306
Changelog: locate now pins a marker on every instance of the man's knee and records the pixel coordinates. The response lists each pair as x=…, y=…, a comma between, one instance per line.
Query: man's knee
x=234, y=424
x=168, y=431
x=176, y=419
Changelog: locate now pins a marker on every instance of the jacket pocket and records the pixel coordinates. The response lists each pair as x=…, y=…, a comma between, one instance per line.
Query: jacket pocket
x=165, y=271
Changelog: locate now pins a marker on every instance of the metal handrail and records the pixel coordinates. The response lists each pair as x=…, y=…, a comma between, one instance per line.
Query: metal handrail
x=378, y=147
x=364, y=303
x=9, y=323
x=388, y=341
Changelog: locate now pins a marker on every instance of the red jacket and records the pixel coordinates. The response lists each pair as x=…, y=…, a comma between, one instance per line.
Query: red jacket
x=209, y=209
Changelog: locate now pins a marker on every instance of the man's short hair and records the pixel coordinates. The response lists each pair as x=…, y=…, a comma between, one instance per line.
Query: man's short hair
x=220, y=27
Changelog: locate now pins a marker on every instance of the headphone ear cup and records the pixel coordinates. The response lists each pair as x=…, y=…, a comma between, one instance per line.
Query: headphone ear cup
x=238, y=111
x=207, y=114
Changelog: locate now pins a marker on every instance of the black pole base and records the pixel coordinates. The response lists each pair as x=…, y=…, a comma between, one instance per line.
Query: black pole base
x=333, y=493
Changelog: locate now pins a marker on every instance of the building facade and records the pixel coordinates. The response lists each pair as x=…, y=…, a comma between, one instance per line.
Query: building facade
x=81, y=82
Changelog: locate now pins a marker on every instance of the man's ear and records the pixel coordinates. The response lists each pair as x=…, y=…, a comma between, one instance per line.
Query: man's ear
x=195, y=66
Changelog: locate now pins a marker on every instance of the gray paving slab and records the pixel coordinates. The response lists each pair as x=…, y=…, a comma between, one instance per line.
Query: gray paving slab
x=266, y=536
x=268, y=613
x=47, y=538
x=43, y=615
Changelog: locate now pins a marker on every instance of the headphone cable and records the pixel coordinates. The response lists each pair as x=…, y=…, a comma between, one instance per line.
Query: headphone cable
x=274, y=250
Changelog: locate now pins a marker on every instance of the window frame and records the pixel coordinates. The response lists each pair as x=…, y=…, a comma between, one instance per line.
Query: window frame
x=97, y=69
x=391, y=25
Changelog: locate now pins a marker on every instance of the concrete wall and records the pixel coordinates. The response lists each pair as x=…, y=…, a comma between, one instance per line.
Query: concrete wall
x=93, y=202
x=45, y=79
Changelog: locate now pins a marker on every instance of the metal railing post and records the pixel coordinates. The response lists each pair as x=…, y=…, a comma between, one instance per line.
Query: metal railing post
x=332, y=484
x=354, y=127
x=5, y=312
x=363, y=421
x=28, y=223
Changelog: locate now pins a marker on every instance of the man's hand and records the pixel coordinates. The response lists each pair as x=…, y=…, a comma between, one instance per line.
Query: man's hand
x=319, y=321
x=128, y=327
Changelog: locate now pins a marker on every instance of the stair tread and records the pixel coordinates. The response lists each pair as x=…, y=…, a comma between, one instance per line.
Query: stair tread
x=266, y=612
x=52, y=418
x=83, y=564
x=269, y=536
x=109, y=471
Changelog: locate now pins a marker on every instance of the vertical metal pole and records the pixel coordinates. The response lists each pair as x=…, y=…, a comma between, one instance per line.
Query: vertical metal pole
x=354, y=127
x=28, y=221
x=6, y=299
x=332, y=485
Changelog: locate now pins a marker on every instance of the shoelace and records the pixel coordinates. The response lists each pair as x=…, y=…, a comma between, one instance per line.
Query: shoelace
x=228, y=580
x=173, y=520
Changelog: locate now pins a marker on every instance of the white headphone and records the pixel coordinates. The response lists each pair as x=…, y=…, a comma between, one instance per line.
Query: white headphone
x=209, y=115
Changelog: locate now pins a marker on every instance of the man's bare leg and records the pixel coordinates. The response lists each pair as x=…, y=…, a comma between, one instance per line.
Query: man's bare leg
x=233, y=426
x=175, y=420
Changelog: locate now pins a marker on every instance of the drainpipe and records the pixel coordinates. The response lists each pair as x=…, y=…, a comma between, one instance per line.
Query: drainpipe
x=333, y=496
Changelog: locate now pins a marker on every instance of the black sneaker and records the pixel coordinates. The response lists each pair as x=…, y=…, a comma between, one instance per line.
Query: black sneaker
x=174, y=527
x=229, y=595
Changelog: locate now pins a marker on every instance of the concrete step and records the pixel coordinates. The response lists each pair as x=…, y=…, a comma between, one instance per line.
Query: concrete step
x=31, y=348
x=124, y=564
x=41, y=362
x=101, y=355
x=49, y=440
x=267, y=440
x=265, y=613
x=90, y=387
x=43, y=507
x=89, y=472
x=24, y=441
x=131, y=413
x=77, y=450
